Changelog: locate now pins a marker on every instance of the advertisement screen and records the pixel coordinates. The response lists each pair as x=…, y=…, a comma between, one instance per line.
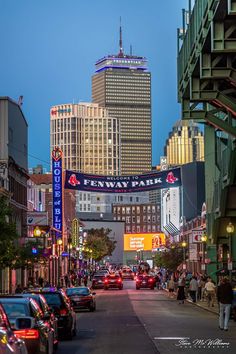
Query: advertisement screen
x=146, y=242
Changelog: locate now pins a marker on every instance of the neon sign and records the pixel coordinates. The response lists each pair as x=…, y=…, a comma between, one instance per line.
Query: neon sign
x=57, y=190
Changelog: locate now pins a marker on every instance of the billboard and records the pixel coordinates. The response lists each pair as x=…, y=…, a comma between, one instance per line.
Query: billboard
x=123, y=184
x=146, y=242
x=37, y=218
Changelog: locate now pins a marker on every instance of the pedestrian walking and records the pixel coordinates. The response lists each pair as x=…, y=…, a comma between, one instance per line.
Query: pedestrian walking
x=193, y=288
x=210, y=292
x=67, y=281
x=171, y=287
x=181, y=290
x=18, y=289
x=225, y=299
x=201, y=286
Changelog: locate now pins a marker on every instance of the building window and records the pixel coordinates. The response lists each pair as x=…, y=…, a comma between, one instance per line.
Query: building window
x=123, y=210
x=138, y=209
x=133, y=219
x=138, y=228
x=153, y=218
x=153, y=208
x=138, y=219
x=128, y=210
x=127, y=219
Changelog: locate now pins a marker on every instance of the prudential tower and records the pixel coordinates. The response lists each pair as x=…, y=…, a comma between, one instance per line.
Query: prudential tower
x=122, y=84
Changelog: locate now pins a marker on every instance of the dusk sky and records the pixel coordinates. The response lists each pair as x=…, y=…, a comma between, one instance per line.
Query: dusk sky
x=49, y=48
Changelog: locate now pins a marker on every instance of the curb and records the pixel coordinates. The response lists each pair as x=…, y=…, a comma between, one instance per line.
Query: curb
x=198, y=305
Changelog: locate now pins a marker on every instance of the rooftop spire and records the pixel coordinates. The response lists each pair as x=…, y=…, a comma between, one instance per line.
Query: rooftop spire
x=121, y=53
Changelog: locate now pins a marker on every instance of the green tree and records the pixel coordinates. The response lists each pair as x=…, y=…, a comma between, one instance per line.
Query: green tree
x=99, y=242
x=8, y=235
x=169, y=259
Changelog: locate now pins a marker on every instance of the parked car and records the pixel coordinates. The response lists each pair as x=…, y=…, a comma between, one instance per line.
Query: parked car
x=9, y=342
x=82, y=298
x=145, y=281
x=47, y=314
x=113, y=281
x=28, y=323
x=59, y=303
x=98, y=281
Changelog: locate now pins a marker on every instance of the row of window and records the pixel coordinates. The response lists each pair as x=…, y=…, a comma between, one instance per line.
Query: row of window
x=144, y=228
x=135, y=209
x=137, y=219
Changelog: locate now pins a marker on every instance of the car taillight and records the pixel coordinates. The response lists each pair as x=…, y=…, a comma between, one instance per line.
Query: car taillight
x=137, y=280
x=63, y=312
x=27, y=333
x=106, y=281
x=119, y=280
x=150, y=280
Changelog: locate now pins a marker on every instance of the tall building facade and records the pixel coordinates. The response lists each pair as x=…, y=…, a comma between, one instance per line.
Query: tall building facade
x=185, y=144
x=90, y=140
x=122, y=84
x=88, y=136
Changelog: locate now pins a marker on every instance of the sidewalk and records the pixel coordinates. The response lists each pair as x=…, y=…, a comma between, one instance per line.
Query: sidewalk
x=202, y=304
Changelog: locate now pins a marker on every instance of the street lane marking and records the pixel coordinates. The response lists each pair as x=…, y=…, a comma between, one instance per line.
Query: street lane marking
x=171, y=338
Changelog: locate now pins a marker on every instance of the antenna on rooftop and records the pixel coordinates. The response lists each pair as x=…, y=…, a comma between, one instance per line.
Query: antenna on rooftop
x=121, y=53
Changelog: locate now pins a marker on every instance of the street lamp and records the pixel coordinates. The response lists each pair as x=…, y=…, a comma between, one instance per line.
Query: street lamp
x=230, y=231
x=203, y=239
x=184, y=245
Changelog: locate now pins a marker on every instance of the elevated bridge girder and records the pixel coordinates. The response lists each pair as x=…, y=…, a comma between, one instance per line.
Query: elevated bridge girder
x=207, y=92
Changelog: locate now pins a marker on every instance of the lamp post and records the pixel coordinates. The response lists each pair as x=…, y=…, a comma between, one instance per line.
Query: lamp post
x=230, y=231
x=203, y=239
x=59, y=243
x=184, y=245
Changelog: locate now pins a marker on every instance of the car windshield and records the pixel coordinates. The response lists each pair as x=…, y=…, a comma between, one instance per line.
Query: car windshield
x=14, y=310
x=53, y=299
x=77, y=291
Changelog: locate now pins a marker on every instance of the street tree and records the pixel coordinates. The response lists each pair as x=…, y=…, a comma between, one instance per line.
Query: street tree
x=99, y=244
x=169, y=259
x=8, y=235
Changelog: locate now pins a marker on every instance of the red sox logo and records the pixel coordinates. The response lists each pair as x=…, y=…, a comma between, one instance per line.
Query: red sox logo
x=73, y=180
x=171, y=178
x=56, y=154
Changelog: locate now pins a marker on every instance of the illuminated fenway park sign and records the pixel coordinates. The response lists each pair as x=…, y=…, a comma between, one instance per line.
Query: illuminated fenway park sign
x=57, y=190
x=123, y=184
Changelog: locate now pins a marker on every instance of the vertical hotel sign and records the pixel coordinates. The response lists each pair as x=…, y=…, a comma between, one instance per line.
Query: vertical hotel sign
x=57, y=190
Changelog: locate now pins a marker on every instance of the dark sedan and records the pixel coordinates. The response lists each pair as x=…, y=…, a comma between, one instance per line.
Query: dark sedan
x=113, y=281
x=145, y=281
x=9, y=343
x=28, y=323
x=81, y=298
x=60, y=305
x=98, y=281
x=47, y=313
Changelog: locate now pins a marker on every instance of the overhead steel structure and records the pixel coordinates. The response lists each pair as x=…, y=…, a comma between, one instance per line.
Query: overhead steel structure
x=207, y=92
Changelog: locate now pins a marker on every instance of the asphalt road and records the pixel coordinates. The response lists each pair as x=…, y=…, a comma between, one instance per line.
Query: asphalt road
x=131, y=321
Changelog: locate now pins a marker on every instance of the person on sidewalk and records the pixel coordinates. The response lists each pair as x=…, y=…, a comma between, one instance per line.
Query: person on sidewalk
x=193, y=288
x=171, y=287
x=201, y=286
x=181, y=290
x=210, y=292
x=225, y=299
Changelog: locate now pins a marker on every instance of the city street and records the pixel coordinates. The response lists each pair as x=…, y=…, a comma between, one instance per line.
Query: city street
x=145, y=321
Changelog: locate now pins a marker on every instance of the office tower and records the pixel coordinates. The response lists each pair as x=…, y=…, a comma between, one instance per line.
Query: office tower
x=122, y=84
x=185, y=144
x=90, y=140
x=88, y=137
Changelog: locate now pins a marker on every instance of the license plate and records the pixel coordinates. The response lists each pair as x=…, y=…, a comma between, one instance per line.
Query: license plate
x=143, y=282
x=112, y=281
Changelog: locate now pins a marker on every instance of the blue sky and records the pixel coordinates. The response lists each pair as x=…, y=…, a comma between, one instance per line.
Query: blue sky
x=49, y=48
